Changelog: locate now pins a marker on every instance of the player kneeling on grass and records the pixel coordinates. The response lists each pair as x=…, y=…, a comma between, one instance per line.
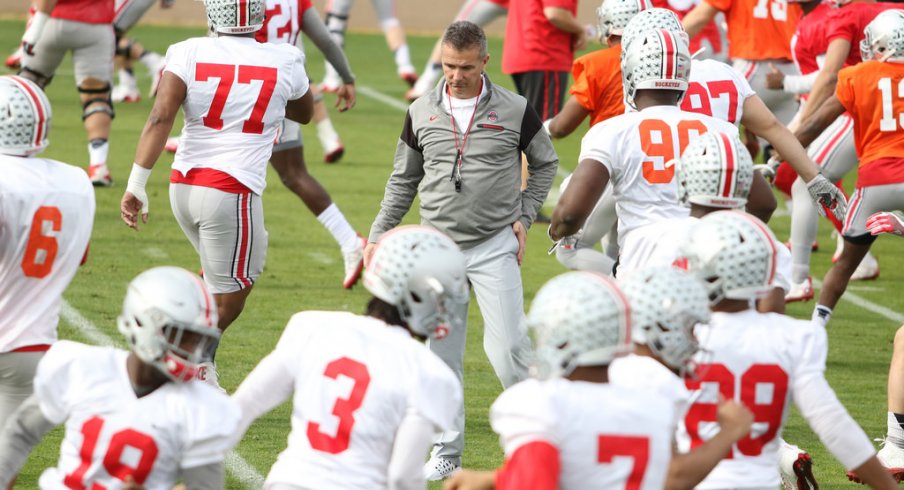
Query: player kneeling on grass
x=137, y=417
x=763, y=360
x=666, y=304
x=367, y=397
x=569, y=427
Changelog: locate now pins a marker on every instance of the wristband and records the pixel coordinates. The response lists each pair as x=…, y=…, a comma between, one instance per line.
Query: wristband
x=138, y=178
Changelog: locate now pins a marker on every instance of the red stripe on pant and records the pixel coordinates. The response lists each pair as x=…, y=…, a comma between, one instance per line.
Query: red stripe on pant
x=244, y=239
x=545, y=96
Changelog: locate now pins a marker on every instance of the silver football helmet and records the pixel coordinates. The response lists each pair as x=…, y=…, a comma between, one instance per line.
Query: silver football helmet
x=652, y=19
x=734, y=253
x=579, y=319
x=884, y=37
x=657, y=60
x=422, y=272
x=715, y=170
x=613, y=15
x=24, y=117
x=235, y=16
x=169, y=318
x=666, y=304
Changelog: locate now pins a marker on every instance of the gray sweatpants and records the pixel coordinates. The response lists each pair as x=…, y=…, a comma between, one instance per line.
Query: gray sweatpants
x=493, y=272
x=17, y=374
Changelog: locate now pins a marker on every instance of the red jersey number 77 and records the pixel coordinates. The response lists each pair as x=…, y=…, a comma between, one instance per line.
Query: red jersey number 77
x=226, y=75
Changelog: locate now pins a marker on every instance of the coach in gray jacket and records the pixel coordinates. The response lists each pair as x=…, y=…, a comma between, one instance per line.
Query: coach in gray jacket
x=461, y=150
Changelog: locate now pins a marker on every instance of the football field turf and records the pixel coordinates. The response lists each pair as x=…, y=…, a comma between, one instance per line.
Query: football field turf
x=304, y=266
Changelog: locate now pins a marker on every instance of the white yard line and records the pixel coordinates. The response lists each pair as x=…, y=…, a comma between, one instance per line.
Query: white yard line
x=321, y=258
x=235, y=464
x=868, y=305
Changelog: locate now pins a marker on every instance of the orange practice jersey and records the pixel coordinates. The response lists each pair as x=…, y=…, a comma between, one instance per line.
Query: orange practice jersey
x=759, y=29
x=873, y=92
x=598, y=84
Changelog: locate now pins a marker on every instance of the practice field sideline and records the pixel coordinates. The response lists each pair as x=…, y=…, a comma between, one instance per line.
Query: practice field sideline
x=304, y=267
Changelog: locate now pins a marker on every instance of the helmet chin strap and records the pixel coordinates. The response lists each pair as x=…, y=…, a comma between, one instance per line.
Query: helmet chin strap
x=698, y=52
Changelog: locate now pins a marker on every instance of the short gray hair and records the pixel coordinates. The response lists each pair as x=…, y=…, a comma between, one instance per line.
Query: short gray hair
x=463, y=35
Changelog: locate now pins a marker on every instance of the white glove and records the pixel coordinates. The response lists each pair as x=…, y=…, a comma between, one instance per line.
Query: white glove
x=885, y=223
x=33, y=33
x=824, y=193
x=138, y=180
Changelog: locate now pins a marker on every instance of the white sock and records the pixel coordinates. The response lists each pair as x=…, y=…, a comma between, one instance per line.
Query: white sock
x=97, y=151
x=799, y=272
x=127, y=79
x=333, y=220
x=822, y=315
x=403, y=59
x=151, y=59
x=326, y=133
x=895, y=432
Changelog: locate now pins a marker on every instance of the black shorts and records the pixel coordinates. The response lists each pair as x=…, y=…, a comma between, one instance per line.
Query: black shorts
x=544, y=90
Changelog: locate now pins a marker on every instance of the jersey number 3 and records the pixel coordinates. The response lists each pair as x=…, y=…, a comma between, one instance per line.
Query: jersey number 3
x=41, y=249
x=227, y=75
x=344, y=408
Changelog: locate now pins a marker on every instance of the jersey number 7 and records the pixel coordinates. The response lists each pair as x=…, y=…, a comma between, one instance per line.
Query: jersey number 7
x=621, y=446
x=227, y=75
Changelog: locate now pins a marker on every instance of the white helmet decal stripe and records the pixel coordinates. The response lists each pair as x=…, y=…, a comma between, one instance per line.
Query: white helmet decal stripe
x=625, y=305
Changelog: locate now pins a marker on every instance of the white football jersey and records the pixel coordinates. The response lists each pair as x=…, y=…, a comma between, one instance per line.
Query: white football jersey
x=638, y=148
x=763, y=360
x=607, y=436
x=46, y=216
x=718, y=90
x=633, y=370
x=354, y=379
x=236, y=97
x=112, y=434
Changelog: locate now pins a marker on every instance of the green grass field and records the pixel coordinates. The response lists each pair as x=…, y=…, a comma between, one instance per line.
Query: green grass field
x=304, y=267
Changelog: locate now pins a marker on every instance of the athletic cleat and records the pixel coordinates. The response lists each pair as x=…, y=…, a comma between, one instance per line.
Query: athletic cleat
x=208, y=374
x=331, y=82
x=440, y=468
x=413, y=94
x=354, y=264
x=409, y=77
x=867, y=270
x=100, y=175
x=802, y=291
x=891, y=457
x=123, y=94
x=796, y=468
x=14, y=61
x=172, y=144
x=156, y=76
x=333, y=152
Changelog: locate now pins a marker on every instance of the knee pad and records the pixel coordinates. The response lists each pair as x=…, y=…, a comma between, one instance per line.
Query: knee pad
x=866, y=239
x=124, y=47
x=102, y=103
x=39, y=78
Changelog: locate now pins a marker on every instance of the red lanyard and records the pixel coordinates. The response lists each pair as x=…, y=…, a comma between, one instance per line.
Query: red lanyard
x=460, y=150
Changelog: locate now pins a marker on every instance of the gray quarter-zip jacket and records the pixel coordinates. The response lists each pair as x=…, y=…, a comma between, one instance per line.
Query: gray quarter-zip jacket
x=490, y=198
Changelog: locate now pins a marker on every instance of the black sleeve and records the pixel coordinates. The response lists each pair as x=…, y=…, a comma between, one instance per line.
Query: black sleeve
x=530, y=124
x=408, y=135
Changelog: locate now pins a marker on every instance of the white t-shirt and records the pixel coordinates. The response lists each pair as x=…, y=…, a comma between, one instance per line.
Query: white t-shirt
x=352, y=380
x=598, y=429
x=177, y=426
x=633, y=371
x=46, y=216
x=236, y=97
x=718, y=90
x=636, y=149
x=765, y=360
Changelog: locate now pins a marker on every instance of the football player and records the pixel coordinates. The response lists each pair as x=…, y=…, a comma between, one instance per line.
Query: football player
x=867, y=91
x=235, y=93
x=632, y=150
x=83, y=27
x=367, y=396
x=46, y=216
x=569, y=427
x=759, y=37
x=132, y=416
x=286, y=19
x=666, y=303
x=763, y=360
